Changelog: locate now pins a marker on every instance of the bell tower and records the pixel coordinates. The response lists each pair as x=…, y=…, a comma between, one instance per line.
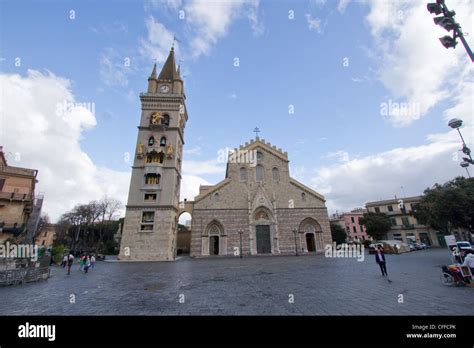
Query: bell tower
x=151, y=217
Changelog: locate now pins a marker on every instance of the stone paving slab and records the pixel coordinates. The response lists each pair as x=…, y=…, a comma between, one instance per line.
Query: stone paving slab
x=247, y=286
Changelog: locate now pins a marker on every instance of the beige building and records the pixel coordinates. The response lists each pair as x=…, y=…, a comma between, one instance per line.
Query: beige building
x=46, y=235
x=257, y=203
x=17, y=188
x=405, y=227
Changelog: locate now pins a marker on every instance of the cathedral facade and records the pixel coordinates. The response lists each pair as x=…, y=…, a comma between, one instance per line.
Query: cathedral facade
x=259, y=203
x=258, y=209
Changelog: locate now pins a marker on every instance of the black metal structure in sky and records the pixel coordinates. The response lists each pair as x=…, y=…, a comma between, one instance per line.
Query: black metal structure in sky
x=447, y=22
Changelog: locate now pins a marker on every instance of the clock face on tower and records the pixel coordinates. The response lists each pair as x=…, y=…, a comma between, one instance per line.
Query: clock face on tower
x=164, y=88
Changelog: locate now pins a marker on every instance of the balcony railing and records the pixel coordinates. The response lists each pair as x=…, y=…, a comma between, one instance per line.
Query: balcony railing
x=408, y=227
x=18, y=170
x=16, y=196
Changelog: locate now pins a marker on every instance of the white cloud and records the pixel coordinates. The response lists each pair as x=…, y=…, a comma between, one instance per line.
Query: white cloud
x=159, y=4
x=342, y=5
x=380, y=176
x=190, y=186
x=313, y=23
x=197, y=150
x=112, y=68
x=158, y=42
x=211, y=24
x=341, y=155
x=47, y=136
x=416, y=68
x=203, y=167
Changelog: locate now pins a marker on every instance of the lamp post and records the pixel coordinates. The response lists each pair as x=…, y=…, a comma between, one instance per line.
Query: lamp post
x=240, y=233
x=456, y=123
x=447, y=22
x=296, y=244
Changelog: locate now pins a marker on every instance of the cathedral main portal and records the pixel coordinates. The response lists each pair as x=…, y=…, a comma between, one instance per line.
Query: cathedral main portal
x=264, y=244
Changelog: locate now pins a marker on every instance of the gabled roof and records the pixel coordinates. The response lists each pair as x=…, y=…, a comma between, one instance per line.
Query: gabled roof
x=214, y=189
x=257, y=142
x=307, y=189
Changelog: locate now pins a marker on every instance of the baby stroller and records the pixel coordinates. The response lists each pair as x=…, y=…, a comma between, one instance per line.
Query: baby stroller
x=452, y=275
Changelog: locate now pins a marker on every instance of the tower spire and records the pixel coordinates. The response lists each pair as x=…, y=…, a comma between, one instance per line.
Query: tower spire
x=169, y=68
x=153, y=73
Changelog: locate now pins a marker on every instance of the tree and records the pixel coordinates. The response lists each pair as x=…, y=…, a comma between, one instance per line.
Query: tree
x=376, y=224
x=91, y=226
x=338, y=233
x=448, y=205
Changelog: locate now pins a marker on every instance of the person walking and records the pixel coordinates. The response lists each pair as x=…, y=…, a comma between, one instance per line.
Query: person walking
x=380, y=259
x=92, y=261
x=87, y=263
x=70, y=262
x=64, y=263
x=469, y=261
x=82, y=260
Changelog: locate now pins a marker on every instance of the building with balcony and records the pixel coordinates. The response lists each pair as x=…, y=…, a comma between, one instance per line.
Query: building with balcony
x=17, y=198
x=350, y=221
x=46, y=235
x=405, y=227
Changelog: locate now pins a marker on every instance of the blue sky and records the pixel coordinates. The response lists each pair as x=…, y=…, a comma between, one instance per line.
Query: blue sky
x=335, y=62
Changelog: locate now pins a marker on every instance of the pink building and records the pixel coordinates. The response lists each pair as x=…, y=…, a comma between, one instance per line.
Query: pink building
x=351, y=222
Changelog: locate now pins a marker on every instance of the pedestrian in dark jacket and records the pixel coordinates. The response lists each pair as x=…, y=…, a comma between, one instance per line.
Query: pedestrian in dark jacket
x=380, y=259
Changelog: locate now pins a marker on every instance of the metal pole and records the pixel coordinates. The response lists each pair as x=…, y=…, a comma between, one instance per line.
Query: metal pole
x=466, y=46
x=240, y=232
x=464, y=143
x=468, y=174
x=457, y=31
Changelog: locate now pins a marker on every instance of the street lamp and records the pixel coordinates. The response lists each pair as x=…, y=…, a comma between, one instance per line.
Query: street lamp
x=296, y=244
x=240, y=233
x=447, y=22
x=456, y=123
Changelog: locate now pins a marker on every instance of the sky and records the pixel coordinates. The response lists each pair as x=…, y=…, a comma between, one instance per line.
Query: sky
x=358, y=92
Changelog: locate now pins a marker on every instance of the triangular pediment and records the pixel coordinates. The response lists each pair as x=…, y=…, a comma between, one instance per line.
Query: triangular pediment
x=261, y=199
x=262, y=144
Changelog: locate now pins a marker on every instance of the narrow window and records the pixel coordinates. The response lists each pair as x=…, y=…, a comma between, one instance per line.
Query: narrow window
x=276, y=174
x=259, y=173
x=150, y=197
x=243, y=174
x=165, y=121
x=163, y=141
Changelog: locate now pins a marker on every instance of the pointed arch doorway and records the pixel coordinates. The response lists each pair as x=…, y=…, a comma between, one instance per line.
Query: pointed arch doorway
x=214, y=245
x=310, y=242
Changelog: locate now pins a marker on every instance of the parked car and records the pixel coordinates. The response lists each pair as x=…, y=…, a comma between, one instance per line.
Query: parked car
x=424, y=246
x=463, y=246
x=412, y=247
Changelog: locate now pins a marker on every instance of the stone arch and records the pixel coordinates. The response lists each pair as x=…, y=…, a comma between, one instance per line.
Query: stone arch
x=262, y=214
x=263, y=231
x=214, y=228
x=184, y=229
x=214, y=240
x=310, y=232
